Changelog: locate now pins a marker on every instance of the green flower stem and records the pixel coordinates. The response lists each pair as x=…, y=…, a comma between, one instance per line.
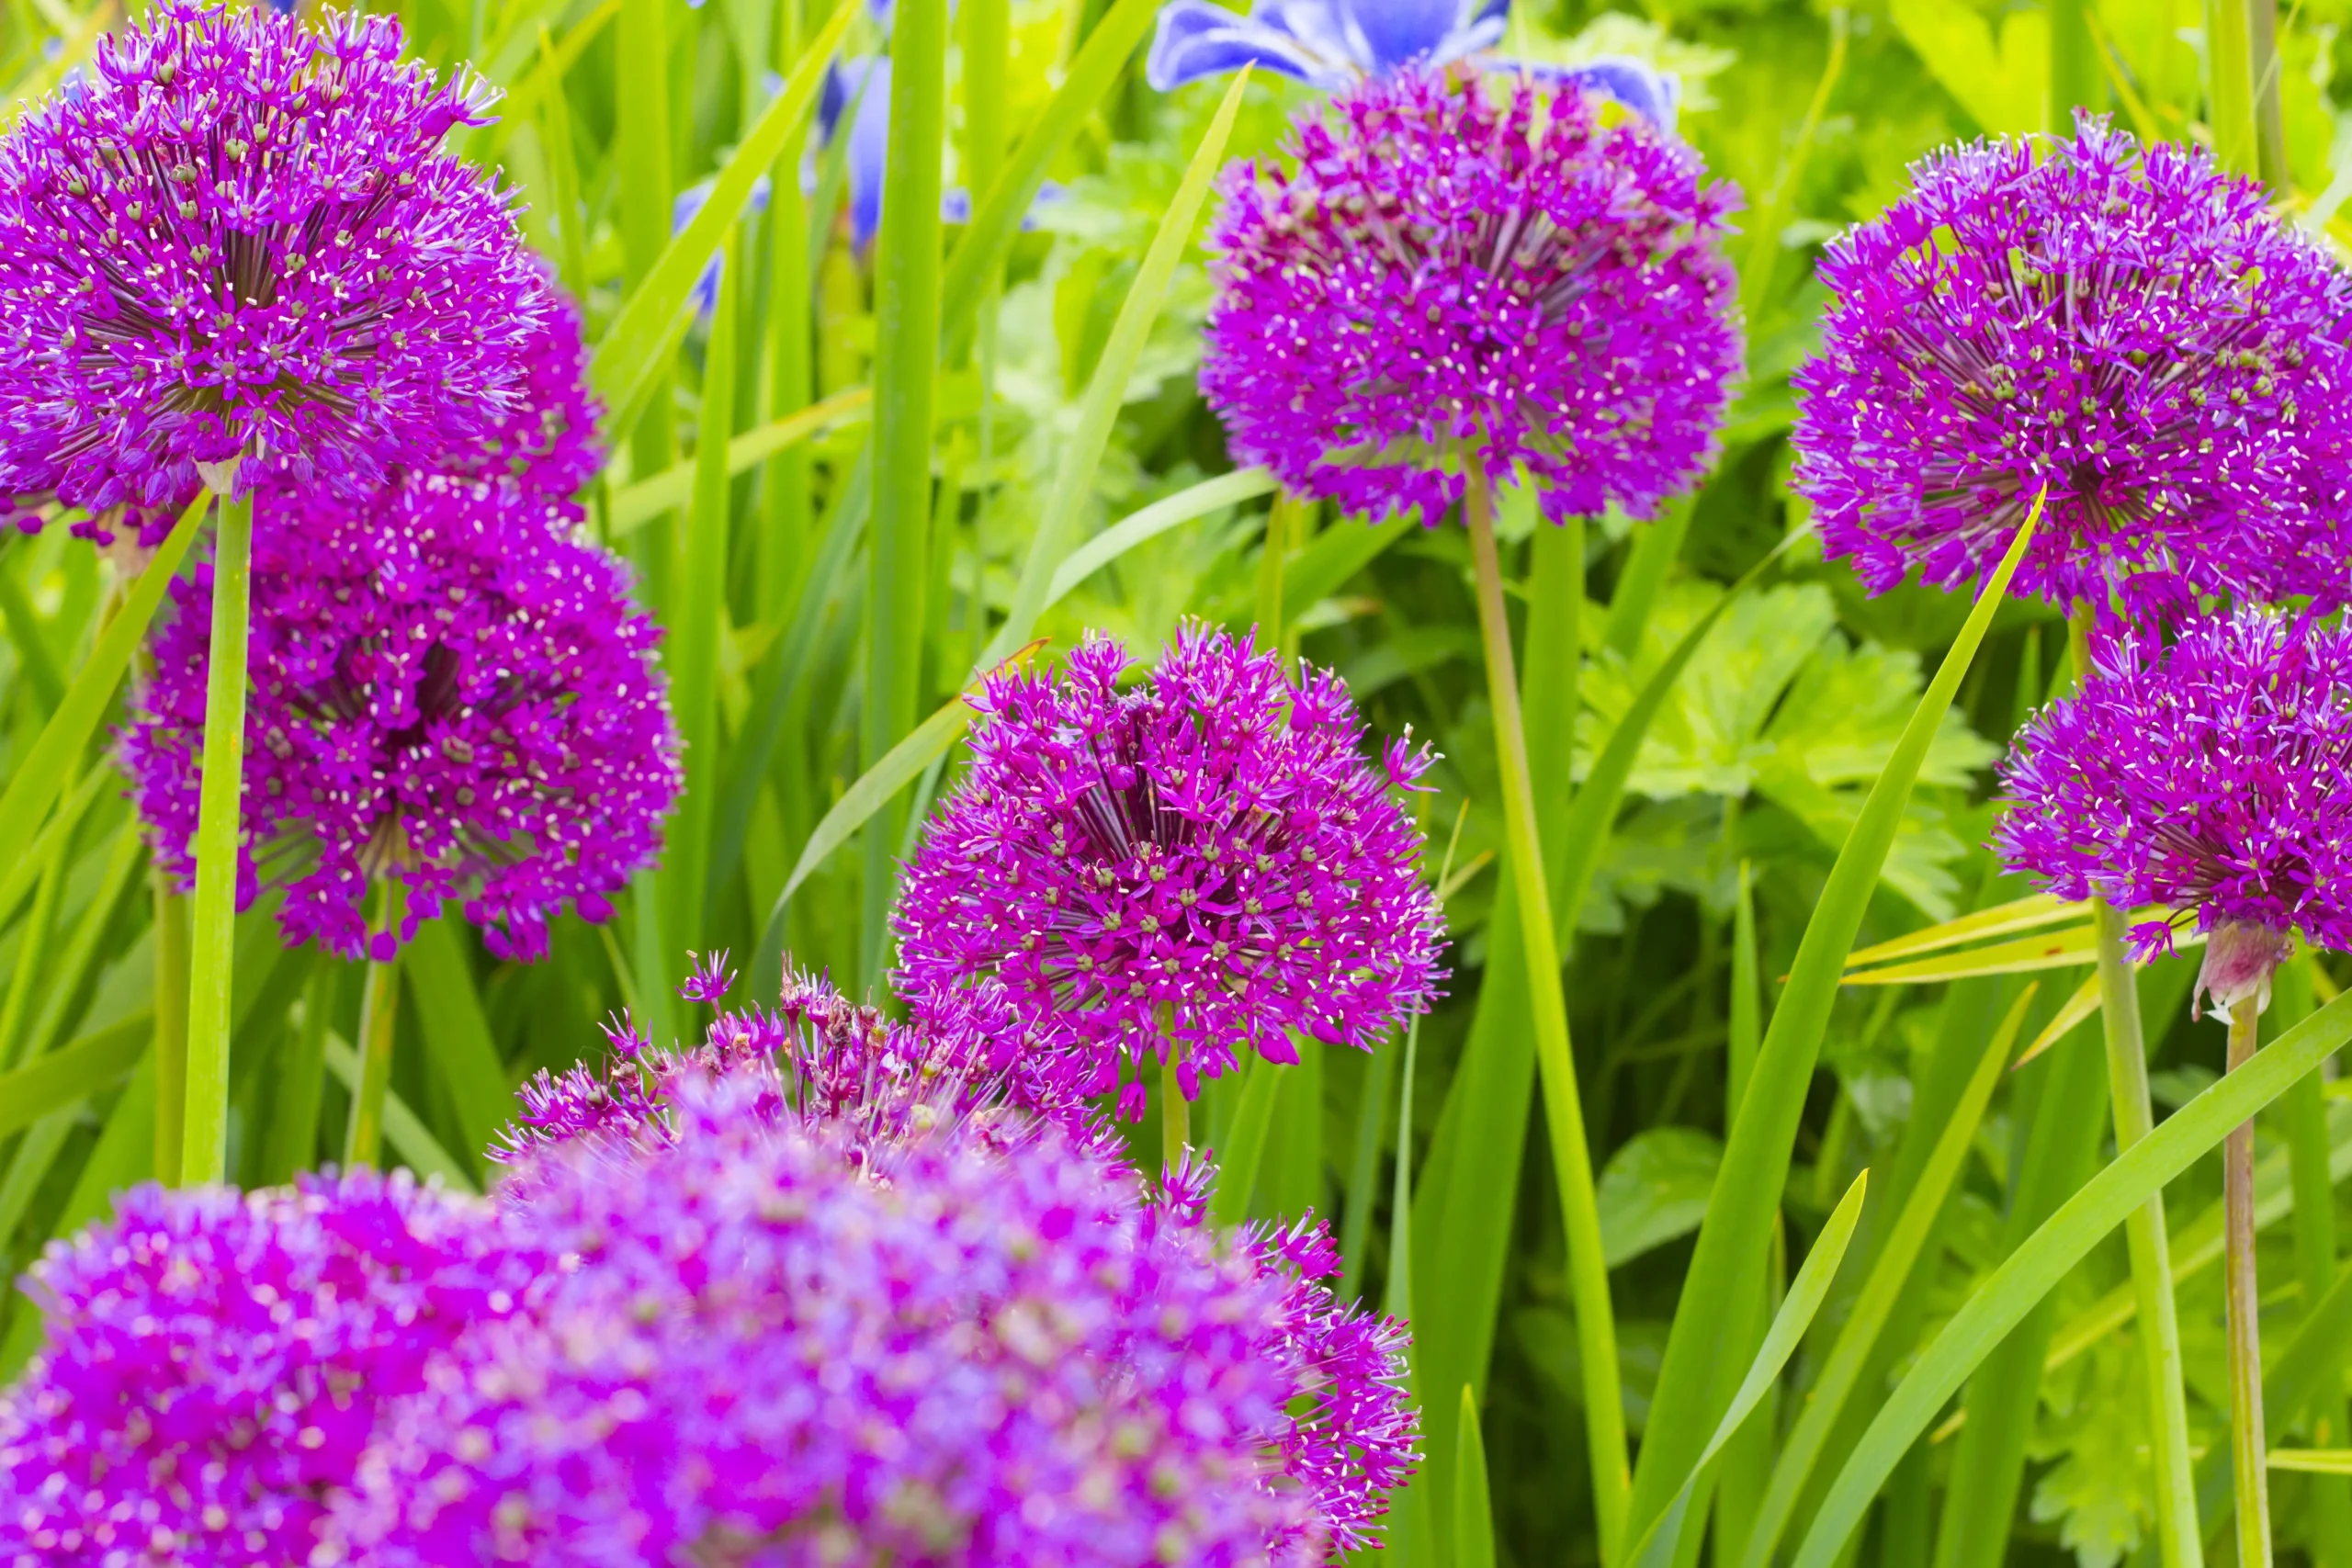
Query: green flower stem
x=1175, y=1110
x=2149, y=1248
x=171, y=1026
x=204, y=1151
x=2248, y=1464
x=1282, y=516
x=363, y=1138
x=1604, y=1408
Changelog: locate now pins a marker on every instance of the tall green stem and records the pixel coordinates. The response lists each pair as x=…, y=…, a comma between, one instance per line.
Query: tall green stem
x=204, y=1155
x=171, y=1027
x=2149, y=1246
x=2248, y=1464
x=363, y=1138
x=1604, y=1409
x=2229, y=52
x=1175, y=1110
x=2076, y=80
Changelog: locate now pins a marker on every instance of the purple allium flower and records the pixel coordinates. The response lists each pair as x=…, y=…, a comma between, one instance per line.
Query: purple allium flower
x=216, y=1362
x=447, y=689
x=547, y=443
x=836, y=1063
x=707, y=978
x=2131, y=327
x=2210, y=777
x=240, y=237
x=775, y=1350
x=1205, y=861
x=1446, y=271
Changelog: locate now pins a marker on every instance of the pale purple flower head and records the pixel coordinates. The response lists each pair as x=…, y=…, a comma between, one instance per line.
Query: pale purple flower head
x=216, y=1361
x=1204, y=860
x=2133, y=329
x=446, y=688
x=776, y=1350
x=239, y=236
x=2210, y=777
x=1466, y=270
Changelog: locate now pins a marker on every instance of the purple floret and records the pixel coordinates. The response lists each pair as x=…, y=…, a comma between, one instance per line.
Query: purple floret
x=2131, y=327
x=1444, y=270
x=2211, y=778
x=446, y=688
x=1205, y=859
x=240, y=236
x=785, y=1345
x=216, y=1361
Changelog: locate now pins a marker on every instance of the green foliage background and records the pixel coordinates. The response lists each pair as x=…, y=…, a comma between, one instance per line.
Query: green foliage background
x=1742, y=792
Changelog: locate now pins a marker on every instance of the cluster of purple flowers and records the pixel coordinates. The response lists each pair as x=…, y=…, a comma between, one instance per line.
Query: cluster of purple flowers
x=814, y=1295
x=2132, y=331
x=1203, y=862
x=238, y=254
x=2132, y=340
x=448, y=689
x=1457, y=273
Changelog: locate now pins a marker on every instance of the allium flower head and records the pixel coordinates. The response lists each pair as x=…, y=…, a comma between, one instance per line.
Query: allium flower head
x=216, y=1361
x=2131, y=327
x=546, y=445
x=238, y=236
x=1205, y=859
x=446, y=688
x=774, y=1352
x=1445, y=269
x=2213, y=777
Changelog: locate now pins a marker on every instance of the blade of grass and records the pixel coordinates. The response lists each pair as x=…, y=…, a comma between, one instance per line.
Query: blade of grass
x=2031, y=912
x=73, y=1073
x=119, y=1159
x=2028, y=1274
x=1474, y=1517
x=404, y=1131
x=34, y=782
x=906, y=354
x=1728, y=1261
x=22, y=872
x=293, y=1137
x=691, y=649
x=637, y=345
x=972, y=266
x=212, y=913
x=457, y=1035
x=1841, y=1371
x=1236, y=1176
x=1807, y=1292
x=1140, y=527
x=1106, y=392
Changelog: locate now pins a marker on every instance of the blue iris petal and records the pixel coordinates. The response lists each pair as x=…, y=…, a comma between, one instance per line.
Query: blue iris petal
x=1197, y=39
x=1648, y=93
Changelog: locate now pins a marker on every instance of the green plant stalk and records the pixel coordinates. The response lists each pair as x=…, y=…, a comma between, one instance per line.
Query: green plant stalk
x=2229, y=60
x=906, y=350
x=1253, y=1119
x=31, y=975
x=171, y=1024
x=363, y=1137
x=1271, y=555
x=783, y=544
x=2264, y=64
x=1727, y=1265
x=641, y=152
x=2026, y=1277
x=293, y=1138
x=2249, y=1468
x=1572, y=1160
x=211, y=942
x=1745, y=1472
x=2311, y=1365
x=2311, y=1157
x=1175, y=1110
x=2149, y=1248
x=691, y=646
x=1363, y=1172
x=2076, y=79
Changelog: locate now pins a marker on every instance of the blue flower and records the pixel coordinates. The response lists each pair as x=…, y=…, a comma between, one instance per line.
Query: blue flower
x=1332, y=44
x=863, y=81
x=683, y=208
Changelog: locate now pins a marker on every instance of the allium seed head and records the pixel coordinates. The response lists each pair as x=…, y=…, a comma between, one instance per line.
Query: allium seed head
x=777, y=1349
x=2130, y=327
x=216, y=1361
x=446, y=688
x=2213, y=777
x=240, y=237
x=1444, y=270
x=1205, y=859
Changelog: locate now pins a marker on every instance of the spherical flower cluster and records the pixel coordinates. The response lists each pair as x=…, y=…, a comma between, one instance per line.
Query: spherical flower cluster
x=2210, y=777
x=2130, y=328
x=1199, y=863
x=546, y=445
x=1448, y=279
x=238, y=237
x=216, y=1360
x=775, y=1351
x=447, y=689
